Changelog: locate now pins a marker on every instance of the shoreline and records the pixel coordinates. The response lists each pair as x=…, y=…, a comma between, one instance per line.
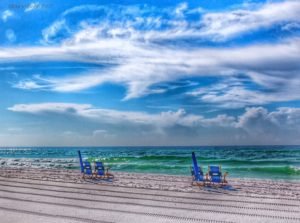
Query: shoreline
x=48, y=195
x=27, y=165
x=274, y=163
x=283, y=180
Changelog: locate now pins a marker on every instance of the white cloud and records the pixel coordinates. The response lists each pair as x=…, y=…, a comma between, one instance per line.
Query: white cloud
x=99, y=132
x=28, y=85
x=15, y=130
x=289, y=116
x=232, y=93
x=255, y=117
x=49, y=107
x=10, y=35
x=276, y=126
x=224, y=25
x=180, y=9
x=69, y=133
x=291, y=26
x=53, y=30
x=103, y=134
x=6, y=14
x=8, y=68
x=33, y=6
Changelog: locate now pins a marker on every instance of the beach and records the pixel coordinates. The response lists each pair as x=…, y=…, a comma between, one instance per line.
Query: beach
x=150, y=111
x=60, y=195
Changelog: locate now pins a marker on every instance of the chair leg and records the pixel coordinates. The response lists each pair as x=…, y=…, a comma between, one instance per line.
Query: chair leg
x=109, y=175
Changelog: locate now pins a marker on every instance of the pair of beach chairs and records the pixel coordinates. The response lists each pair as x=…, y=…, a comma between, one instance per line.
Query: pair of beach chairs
x=214, y=175
x=99, y=170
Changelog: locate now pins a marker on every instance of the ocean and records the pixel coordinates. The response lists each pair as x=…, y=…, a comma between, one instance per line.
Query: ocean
x=265, y=162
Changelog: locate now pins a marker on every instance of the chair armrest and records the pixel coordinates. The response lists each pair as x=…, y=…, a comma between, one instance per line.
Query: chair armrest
x=225, y=175
x=207, y=176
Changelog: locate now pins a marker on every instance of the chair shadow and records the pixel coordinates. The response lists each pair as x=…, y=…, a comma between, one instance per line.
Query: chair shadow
x=220, y=189
x=98, y=180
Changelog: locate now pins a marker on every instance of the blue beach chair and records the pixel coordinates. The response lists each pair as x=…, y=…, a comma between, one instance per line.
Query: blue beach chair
x=101, y=171
x=87, y=169
x=197, y=173
x=216, y=176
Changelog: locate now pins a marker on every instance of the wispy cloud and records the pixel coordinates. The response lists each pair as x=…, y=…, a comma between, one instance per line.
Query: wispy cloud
x=130, y=43
x=50, y=107
x=139, y=66
x=223, y=25
x=6, y=14
x=15, y=130
x=33, y=6
x=145, y=23
x=10, y=35
x=53, y=30
x=234, y=93
x=291, y=26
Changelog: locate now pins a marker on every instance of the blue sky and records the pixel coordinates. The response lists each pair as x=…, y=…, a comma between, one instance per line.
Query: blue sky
x=149, y=73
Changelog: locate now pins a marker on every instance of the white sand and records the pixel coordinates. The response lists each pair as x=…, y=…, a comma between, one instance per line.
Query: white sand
x=36, y=195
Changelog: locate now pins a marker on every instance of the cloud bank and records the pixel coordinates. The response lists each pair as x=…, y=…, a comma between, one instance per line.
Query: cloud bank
x=279, y=126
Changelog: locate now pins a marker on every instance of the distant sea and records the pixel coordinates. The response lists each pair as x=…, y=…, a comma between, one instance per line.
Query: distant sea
x=267, y=162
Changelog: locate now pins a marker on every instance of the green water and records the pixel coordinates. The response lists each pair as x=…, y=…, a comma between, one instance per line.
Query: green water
x=268, y=162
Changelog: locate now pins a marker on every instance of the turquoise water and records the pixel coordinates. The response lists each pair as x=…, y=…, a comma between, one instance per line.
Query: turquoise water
x=268, y=162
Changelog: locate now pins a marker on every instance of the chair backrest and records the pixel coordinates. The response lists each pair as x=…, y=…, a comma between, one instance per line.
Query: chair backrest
x=99, y=166
x=87, y=168
x=87, y=165
x=214, y=170
x=81, y=162
x=196, y=170
x=215, y=174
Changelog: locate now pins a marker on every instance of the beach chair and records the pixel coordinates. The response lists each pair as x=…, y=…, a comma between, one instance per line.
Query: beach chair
x=101, y=171
x=87, y=169
x=197, y=173
x=216, y=176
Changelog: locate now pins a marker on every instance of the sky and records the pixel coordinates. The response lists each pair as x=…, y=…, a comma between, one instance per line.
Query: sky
x=151, y=73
